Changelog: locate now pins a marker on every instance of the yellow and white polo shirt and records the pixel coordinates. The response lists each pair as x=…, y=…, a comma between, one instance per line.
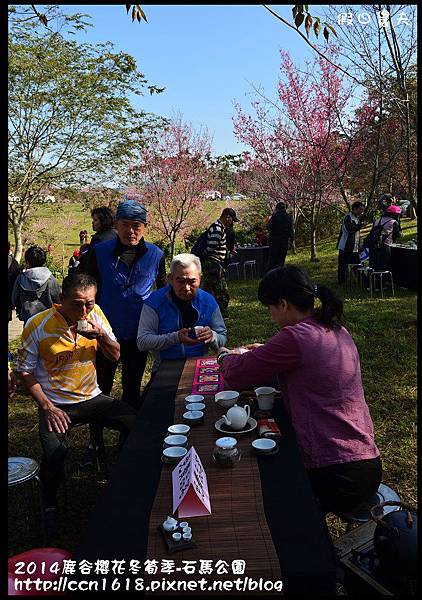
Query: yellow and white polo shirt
x=63, y=366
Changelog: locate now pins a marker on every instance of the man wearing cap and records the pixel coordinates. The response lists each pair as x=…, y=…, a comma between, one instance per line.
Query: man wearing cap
x=280, y=226
x=126, y=269
x=214, y=258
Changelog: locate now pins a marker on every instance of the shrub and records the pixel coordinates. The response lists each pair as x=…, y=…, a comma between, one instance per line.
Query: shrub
x=329, y=222
x=55, y=267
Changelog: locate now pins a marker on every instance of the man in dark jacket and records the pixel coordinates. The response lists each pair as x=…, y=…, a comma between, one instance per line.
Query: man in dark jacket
x=348, y=242
x=126, y=269
x=13, y=271
x=281, y=235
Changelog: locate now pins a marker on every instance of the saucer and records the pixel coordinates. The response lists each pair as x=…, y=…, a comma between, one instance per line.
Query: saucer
x=223, y=428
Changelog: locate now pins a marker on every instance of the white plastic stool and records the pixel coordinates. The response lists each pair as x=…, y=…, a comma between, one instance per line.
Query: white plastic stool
x=361, y=272
x=381, y=275
x=251, y=265
x=351, y=273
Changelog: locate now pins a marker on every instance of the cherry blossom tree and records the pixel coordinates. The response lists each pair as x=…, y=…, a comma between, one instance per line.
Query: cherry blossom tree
x=171, y=178
x=306, y=140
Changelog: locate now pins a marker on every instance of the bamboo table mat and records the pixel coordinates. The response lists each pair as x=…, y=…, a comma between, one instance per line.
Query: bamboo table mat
x=237, y=528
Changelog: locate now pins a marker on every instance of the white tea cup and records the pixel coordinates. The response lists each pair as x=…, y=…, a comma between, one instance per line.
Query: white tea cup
x=265, y=397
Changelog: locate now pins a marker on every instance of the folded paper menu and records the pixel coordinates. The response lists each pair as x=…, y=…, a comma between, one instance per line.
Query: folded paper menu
x=190, y=487
x=207, y=378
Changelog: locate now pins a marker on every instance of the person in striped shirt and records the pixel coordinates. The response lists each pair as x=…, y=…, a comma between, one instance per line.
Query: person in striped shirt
x=214, y=258
x=56, y=361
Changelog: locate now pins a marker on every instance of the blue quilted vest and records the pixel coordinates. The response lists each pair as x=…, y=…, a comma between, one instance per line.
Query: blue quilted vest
x=170, y=320
x=124, y=290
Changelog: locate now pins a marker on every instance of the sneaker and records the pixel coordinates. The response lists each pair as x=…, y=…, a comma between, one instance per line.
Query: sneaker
x=50, y=521
x=88, y=458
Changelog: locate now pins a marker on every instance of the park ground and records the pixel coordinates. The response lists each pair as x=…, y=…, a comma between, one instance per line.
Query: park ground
x=383, y=329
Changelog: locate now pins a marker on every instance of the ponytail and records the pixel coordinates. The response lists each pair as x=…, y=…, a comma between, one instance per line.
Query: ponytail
x=330, y=312
x=294, y=285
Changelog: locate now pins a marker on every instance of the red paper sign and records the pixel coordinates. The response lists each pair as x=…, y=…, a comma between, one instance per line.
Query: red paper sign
x=190, y=487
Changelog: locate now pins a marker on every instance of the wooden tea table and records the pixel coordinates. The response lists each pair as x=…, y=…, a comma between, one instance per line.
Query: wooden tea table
x=263, y=509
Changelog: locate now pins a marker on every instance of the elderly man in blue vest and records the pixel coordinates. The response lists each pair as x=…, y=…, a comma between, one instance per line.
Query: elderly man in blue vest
x=126, y=269
x=181, y=320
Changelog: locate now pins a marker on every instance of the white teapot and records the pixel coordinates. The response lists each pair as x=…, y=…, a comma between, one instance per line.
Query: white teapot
x=170, y=524
x=237, y=416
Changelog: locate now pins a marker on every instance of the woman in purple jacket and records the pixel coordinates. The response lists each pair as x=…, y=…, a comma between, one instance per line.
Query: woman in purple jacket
x=317, y=366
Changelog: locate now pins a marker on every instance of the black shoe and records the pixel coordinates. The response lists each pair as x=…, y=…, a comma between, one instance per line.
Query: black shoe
x=50, y=521
x=88, y=458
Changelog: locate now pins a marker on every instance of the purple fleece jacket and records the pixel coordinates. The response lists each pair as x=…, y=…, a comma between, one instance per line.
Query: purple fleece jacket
x=318, y=370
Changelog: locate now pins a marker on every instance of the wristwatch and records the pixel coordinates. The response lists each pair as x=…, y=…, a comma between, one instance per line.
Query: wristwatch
x=221, y=356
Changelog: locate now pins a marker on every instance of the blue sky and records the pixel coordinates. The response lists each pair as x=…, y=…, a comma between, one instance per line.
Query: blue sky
x=204, y=55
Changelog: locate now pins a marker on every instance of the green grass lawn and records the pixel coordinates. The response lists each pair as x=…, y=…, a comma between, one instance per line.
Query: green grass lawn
x=385, y=334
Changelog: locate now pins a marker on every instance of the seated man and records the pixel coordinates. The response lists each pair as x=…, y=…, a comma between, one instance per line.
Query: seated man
x=169, y=314
x=57, y=365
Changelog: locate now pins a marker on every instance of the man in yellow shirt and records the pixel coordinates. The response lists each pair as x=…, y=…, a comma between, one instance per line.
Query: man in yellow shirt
x=56, y=361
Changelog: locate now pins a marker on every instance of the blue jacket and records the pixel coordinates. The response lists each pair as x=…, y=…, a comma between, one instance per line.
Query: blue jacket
x=124, y=290
x=163, y=318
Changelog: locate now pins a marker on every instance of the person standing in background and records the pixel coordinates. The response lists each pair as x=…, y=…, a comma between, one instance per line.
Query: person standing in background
x=35, y=289
x=214, y=260
x=348, y=241
x=13, y=271
x=103, y=225
x=126, y=268
x=73, y=261
x=281, y=236
x=380, y=258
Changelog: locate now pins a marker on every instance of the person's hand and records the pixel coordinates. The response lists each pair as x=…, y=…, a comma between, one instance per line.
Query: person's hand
x=205, y=335
x=185, y=339
x=57, y=420
x=253, y=346
x=239, y=350
x=11, y=384
x=94, y=332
